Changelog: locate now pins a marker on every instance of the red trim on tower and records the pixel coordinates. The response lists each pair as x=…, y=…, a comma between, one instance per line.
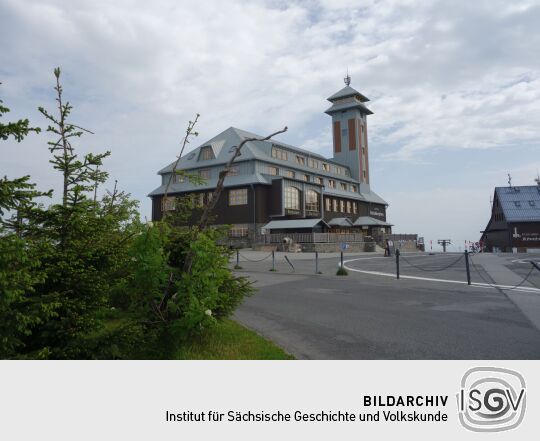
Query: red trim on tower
x=352, y=134
x=337, y=137
x=367, y=154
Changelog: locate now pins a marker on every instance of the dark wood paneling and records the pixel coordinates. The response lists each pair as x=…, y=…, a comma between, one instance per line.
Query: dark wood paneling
x=337, y=137
x=352, y=134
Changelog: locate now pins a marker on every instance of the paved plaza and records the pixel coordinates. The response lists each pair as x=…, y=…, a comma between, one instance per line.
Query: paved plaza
x=429, y=313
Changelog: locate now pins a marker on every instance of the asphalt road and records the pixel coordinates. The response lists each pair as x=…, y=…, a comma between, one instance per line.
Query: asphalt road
x=363, y=316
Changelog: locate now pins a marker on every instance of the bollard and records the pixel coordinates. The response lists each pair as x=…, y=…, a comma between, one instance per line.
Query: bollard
x=317, y=262
x=237, y=257
x=467, y=266
x=342, y=259
x=273, y=262
x=397, y=263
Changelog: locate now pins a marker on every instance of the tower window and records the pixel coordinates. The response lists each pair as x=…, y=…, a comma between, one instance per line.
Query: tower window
x=313, y=163
x=355, y=207
x=289, y=174
x=331, y=183
x=342, y=206
x=300, y=160
x=343, y=186
x=325, y=167
x=348, y=206
x=354, y=188
x=328, y=204
x=304, y=177
x=319, y=180
x=334, y=205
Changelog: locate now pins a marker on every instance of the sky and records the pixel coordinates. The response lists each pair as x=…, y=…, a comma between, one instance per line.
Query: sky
x=454, y=87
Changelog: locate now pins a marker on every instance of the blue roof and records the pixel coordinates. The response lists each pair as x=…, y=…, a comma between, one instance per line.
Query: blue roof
x=520, y=204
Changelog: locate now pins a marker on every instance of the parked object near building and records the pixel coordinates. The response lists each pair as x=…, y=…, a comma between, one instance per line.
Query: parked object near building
x=514, y=225
x=275, y=188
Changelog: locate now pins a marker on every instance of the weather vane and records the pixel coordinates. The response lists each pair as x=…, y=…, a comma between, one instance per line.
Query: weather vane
x=509, y=180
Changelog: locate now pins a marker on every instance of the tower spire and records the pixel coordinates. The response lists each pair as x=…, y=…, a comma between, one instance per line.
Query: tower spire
x=347, y=79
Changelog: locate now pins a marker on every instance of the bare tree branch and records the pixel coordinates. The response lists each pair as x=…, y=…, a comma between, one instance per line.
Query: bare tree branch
x=189, y=132
x=223, y=174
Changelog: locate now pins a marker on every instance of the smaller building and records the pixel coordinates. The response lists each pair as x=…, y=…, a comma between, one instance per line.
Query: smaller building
x=515, y=220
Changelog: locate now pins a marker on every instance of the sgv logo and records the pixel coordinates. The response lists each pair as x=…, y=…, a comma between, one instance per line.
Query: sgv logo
x=491, y=399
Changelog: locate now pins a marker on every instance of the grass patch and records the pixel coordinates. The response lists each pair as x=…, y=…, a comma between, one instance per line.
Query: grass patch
x=342, y=272
x=230, y=341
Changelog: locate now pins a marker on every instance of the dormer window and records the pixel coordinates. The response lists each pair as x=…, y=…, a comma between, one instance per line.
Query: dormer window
x=278, y=153
x=325, y=167
x=300, y=160
x=190, y=156
x=206, y=153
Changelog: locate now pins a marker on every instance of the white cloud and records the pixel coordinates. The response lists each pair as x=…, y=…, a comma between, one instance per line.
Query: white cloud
x=441, y=75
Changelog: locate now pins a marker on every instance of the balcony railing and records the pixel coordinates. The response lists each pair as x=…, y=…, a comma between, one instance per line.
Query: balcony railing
x=309, y=237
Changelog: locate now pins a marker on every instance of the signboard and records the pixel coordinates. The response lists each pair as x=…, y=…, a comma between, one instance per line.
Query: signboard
x=344, y=246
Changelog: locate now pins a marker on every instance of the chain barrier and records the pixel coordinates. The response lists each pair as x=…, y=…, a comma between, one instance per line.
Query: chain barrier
x=254, y=260
x=431, y=269
x=496, y=286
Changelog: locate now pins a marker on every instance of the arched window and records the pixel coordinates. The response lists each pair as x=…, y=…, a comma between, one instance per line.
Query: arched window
x=312, y=200
x=292, y=198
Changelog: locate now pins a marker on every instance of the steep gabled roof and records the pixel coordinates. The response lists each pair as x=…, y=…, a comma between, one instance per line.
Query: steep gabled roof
x=520, y=204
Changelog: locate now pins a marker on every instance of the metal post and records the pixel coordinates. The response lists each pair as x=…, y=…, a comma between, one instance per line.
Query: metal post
x=316, y=262
x=397, y=263
x=273, y=261
x=467, y=266
x=342, y=259
x=237, y=257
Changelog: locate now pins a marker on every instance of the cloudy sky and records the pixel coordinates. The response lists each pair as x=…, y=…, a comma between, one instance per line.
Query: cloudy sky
x=454, y=87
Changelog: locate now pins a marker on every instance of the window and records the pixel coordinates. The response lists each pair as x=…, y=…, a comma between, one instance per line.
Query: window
x=304, y=177
x=300, y=160
x=191, y=156
x=342, y=206
x=273, y=171
x=319, y=180
x=364, y=174
x=334, y=205
x=239, y=230
x=349, y=208
x=238, y=196
x=325, y=167
x=279, y=154
x=313, y=163
x=343, y=132
x=233, y=171
x=355, y=207
x=178, y=178
x=292, y=198
x=205, y=174
x=206, y=153
x=312, y=200
x=168, y=204
x=343, y=186
x=331, y=183
x=328, y=204
x=347, y=172
x=354, y=188
x=339, y=170
x=289, y=174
